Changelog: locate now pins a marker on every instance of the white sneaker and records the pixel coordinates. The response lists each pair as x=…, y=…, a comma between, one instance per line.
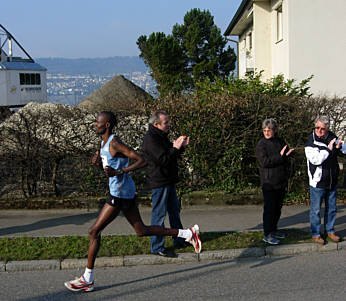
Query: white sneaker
x=195, y=240
x=79, y=284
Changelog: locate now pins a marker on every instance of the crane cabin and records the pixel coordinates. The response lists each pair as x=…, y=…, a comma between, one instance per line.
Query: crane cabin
x=22, y=80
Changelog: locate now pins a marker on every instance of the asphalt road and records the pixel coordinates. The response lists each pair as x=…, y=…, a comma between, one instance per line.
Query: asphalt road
x=209, y=218
x=315, y=276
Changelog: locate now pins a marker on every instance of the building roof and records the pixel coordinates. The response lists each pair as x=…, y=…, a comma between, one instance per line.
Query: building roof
x=241, y=9
x=116, y=94
x=29, y=66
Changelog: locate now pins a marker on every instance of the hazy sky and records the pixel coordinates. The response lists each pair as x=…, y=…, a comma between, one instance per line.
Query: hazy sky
x=99, y=28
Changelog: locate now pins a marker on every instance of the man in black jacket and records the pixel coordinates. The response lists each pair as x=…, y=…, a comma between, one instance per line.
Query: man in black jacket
x=272, y=154
x=161, y=156
x=323, y=169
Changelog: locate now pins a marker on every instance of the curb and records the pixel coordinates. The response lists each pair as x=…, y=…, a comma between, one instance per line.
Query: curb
x=269, y=251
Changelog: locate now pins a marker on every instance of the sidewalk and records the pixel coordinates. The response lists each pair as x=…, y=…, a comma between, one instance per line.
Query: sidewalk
x=14, y=223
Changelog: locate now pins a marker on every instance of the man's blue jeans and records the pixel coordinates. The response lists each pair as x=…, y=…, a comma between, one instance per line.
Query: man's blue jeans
x=316, y=197
x=165, y=200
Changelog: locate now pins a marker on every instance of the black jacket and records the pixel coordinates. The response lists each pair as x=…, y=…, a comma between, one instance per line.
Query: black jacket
x=274, y=171
x=323, y=167
x=161, y=156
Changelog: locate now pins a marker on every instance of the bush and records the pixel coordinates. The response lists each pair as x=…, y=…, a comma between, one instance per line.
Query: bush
x=46, y=148
x=223, y=120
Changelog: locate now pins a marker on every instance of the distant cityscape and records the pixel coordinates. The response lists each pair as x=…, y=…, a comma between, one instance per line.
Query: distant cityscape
x=69, y=81
x=72, y=89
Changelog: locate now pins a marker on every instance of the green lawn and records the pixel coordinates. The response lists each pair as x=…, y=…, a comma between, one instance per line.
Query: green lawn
x=29, y=248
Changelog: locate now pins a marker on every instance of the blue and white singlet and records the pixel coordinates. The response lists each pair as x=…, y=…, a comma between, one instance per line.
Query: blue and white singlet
x=121, y=186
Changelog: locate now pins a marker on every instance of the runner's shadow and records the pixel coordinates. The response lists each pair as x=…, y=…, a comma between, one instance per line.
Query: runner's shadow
x=78, y=219
x=182, y=275
x=198, y=272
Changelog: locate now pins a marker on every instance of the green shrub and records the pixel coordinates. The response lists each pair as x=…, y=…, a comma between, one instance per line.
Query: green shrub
x=223, y=119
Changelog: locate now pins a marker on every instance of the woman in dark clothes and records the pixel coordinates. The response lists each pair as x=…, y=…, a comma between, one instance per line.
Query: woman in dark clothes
x=272, y=153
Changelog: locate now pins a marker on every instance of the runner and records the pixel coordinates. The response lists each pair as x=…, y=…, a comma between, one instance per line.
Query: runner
x=114, y=157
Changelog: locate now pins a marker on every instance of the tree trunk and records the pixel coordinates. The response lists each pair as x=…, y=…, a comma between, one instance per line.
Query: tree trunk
x=54, y=177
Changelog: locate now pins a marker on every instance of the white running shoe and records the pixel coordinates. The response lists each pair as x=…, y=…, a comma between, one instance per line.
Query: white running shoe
x=79, y=284
x=195, y=240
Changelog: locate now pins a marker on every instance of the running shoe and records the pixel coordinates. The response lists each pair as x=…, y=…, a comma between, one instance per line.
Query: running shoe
x=271, y=240
x=79, y=284
x=195, y=240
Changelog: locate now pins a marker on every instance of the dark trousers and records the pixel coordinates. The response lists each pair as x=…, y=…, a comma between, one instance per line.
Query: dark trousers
x=273, y=200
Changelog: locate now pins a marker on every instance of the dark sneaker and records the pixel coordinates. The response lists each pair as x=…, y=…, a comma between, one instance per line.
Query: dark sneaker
x=167, y=253
x=195, y=240
x=271, y=240
x=279, y=235
x=79, y=284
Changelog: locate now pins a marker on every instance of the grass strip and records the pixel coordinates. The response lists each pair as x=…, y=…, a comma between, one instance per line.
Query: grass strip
x=34, y=248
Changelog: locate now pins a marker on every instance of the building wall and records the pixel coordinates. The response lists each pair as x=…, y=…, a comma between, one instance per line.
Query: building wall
x=262, y=38
x=280, y=47
x=317, y=44
x=13, y=88
x=12, y=93
x=3, y=88
x=245, y=53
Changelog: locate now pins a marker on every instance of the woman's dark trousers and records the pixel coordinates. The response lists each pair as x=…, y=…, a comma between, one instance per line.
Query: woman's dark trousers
x=273, y=200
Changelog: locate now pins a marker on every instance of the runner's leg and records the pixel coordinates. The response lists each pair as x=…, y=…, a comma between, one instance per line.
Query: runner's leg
x=191, y=235
x=107, y=215
x=134, y=218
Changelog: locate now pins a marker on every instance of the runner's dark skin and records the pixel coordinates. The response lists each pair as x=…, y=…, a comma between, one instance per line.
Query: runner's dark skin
x=109, y=213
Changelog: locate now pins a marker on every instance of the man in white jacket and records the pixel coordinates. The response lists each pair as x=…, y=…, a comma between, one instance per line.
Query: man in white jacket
x=321, y=152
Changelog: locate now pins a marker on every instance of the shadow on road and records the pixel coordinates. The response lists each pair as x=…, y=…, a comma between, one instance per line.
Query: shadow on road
x=199, y=271
x=78, y=219
x=304, y=217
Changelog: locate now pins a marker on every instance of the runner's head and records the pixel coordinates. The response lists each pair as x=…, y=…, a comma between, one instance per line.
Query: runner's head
x=105, y=120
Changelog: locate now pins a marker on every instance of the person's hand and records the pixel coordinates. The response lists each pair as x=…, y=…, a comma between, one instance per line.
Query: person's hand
x=110, y=172
x=283, y=150
x=179, y=142
x=338, y=145
x=186, y=141
x=331, y=144
x=290, y=151
x=96, y=159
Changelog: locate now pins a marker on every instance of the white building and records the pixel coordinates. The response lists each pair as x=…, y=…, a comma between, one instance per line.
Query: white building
x=21, y=79
x=296, y=38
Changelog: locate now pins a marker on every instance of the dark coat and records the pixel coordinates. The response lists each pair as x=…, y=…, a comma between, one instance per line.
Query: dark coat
x=273, y=167
x=161, y=156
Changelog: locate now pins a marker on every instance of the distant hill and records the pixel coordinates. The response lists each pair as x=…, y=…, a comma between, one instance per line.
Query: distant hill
x=100, y=66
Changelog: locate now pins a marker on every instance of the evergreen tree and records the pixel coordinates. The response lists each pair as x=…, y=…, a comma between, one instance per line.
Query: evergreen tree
x=194, y=51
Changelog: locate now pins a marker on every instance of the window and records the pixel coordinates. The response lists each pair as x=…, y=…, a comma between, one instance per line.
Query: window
x=27, y=79
x=30, y=78
x=22, y=78
x=38, y=79
x=279, y=24
x=250, y=40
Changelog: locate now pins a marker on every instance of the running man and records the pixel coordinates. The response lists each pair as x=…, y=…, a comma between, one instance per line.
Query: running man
x=114, y=157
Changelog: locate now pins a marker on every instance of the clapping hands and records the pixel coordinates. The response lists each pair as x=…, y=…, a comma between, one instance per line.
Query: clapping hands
x=282, y=152
x=182, y=141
